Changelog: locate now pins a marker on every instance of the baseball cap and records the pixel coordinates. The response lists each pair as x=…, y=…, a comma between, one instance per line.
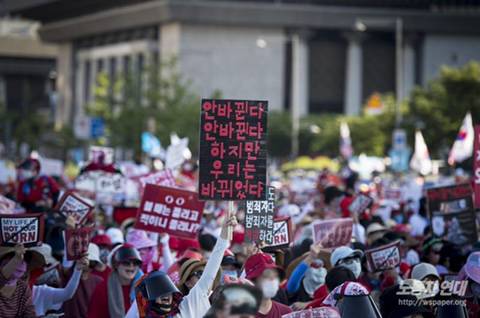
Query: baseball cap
x=344, y=252
x=94, y=253
x=375, y=227
x=472, y=267
x=256, y=264
x=422, y=270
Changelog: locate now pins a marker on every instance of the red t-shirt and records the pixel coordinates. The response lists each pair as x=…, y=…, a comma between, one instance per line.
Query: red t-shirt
x=103, y=274
x=99, y=304
x=277, y=311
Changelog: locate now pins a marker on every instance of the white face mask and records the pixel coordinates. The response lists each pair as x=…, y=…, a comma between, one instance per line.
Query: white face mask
x=355, y=267
x=270, y=287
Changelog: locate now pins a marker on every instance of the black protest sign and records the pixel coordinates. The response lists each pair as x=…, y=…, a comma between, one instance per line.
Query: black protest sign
x=233, y=150
x=259, y=219
x=452, y=213
x=26, y=229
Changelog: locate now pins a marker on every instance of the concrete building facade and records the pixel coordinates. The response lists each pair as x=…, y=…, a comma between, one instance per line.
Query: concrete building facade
x=307, y=56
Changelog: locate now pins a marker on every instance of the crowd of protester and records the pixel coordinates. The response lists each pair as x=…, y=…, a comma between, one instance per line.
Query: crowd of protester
x=128, y=272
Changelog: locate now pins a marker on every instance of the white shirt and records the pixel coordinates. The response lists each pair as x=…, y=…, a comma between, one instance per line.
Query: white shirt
x=196, y=303
x=47, y=298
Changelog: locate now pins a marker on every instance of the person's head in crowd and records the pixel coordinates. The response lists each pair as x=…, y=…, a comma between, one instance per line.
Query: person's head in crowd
x=239, y=252
x=431, y=249
x=104, y=243
x=402, y=301
x=264, y=273
x=49, y=274
x=375, y=231
x=472, y=271
x=126, y=261
x=115, y=235
x=17, y=262
x=332, y=196
x=337, y=276
x=207, y=242
x=235, y=301
x=144, y=245
x=28, y=169
x=346, y=257
x=190, y=272
x=230, y=268
x=428, y=274
x=94, y=260
x=161, y=294
x=452, y=258
x=336, y=297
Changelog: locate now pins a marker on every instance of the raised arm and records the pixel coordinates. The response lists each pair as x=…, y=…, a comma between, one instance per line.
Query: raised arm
x=9, y=268
x=167, y=259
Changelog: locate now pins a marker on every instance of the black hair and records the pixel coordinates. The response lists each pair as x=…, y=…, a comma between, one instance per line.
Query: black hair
x=337, y=276
x=330, y=193
x=207, y=242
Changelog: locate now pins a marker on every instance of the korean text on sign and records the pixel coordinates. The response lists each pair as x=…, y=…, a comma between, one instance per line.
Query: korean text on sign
x=169, y=210
x=384, y=257
x=233, y=154
x=333, y=233
x=259, y=219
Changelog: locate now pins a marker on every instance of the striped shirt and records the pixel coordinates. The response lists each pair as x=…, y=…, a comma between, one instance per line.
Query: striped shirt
x=19, y=304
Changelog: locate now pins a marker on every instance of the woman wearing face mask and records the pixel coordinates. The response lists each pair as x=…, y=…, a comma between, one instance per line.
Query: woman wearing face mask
x=146, y=247
x=15, y=295
x=157, y=295
x=112, y=298
x=471, y=272
x=307, y=277
x=349, y=258
x=262, y=271
x=105, y=246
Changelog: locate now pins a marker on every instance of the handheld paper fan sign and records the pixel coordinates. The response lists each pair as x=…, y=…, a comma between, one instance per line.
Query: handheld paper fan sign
x=71, y=204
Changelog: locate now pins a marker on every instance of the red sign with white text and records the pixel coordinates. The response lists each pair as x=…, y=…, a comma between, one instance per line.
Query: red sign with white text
x=167, y=210
x=476, y=167
x=233, y=150
x=77, y=241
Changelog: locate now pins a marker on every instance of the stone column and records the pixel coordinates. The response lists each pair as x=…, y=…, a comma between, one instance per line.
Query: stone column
x=409, y=64
x=353, y=76
x=300, y=83
x=63, y=113
x=80, y=66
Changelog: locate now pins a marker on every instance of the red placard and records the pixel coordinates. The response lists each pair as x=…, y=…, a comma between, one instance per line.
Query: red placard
x=333, y=233
x=476, y=166
x=174, y=211
x=71, y=204
x=77, y=241
x=360, y=204
x=233, y=150
x=26, y=229
x=384, y=257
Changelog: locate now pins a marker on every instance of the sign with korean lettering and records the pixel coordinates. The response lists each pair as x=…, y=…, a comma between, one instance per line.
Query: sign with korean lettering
x=259, y=219
x=282, y=234
x=452, y=213
x=333, y=233
x=360, y=204
x=104, y=187
x=26, y=229
x=233, y=150
x=174, y=211
x=383, y=257
x=77, y=241
x=71, y=204
x=97, y=153
x=476, y=167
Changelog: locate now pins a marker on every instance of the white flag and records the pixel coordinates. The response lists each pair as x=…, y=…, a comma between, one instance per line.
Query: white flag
x=463, y=146
x=420, y=161
x=346, y=149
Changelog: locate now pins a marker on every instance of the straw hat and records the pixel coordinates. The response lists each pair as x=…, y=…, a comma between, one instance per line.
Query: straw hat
x=33, y=258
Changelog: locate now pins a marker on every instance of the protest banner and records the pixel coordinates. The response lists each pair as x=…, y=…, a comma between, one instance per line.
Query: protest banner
x=360, y=204
x=321, y=312
x=167, y=210
x=259, y=219
x=452, y=213
x=95, y=152
x=332, y=233
x=71, y=204
x=383, y=257
x=51, y=167
x=282, y=234
x=233, y=150
x=104, y=187
x=7, y=206
x=476, y=166
x=77, y=241
x=26, y=229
